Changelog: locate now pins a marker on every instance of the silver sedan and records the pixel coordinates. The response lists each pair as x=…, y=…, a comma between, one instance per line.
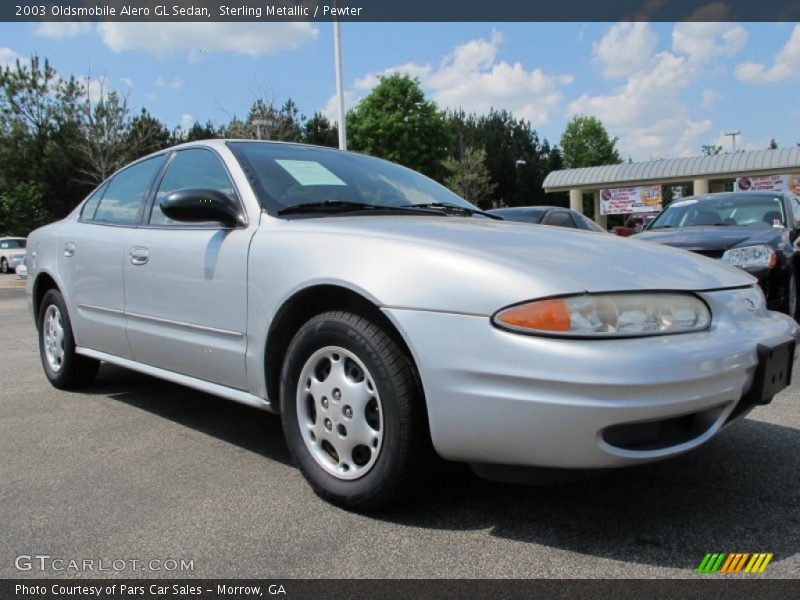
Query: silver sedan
x=386, y=319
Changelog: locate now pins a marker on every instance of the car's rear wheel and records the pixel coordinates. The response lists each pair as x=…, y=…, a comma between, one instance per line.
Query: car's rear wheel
x=352, y=412
x=62, y=365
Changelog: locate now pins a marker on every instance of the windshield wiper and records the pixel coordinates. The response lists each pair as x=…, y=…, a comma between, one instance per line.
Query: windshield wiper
x=449, y=207
x=336, y=206
x=347, y=206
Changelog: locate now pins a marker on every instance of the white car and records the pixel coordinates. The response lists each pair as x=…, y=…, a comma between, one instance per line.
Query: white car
x=385, y=317
x=12, y=251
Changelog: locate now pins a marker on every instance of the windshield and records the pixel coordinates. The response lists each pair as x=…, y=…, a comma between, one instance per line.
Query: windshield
x=523, y=215
x=289, y=175
x=726, y=210
x=12, y=244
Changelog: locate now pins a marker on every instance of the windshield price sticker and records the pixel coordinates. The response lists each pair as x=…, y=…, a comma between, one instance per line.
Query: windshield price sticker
x=309, y=172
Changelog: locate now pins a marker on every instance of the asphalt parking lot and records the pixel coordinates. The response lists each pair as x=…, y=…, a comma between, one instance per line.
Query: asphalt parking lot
x=136, y=468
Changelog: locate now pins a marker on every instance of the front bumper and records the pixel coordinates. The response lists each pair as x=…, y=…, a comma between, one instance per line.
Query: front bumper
x=505, y=398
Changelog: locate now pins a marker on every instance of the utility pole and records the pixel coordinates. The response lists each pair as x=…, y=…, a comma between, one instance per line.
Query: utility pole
x=337, y=51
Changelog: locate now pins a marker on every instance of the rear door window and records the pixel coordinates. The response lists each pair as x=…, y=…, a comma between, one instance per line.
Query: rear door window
x=127, y=192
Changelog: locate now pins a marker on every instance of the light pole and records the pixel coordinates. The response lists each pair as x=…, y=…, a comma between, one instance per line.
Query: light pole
x=337, y=52
x=733, y=135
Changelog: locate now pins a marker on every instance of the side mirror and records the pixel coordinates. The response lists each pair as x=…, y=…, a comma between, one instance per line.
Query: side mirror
x=202, y=206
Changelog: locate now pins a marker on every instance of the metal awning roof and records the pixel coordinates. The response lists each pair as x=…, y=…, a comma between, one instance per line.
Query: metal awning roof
x=669, y=170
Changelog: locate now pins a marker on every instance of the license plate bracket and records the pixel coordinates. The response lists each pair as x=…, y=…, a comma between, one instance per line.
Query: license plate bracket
x=774, y=372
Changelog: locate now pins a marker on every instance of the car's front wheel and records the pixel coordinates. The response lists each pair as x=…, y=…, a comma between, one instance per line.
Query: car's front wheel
x=789, y=302
x=4, y=265
x=63, y=366
x=352, y=411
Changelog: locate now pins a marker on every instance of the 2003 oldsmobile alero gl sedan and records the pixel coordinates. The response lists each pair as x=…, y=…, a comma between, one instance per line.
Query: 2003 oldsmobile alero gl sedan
x=385, y=318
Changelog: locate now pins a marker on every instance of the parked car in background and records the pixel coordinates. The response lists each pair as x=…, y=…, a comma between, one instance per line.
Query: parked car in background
x=548, y=215
x=633, y=225
x=22, y=270
x=755, y=231
x=12, y=251
x=384, y=317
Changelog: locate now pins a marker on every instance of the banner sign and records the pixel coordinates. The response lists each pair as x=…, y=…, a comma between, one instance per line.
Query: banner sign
x=789, y=182
x=618, y=201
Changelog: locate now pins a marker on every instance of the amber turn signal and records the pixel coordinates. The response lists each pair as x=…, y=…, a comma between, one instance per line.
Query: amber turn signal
x=544, y=315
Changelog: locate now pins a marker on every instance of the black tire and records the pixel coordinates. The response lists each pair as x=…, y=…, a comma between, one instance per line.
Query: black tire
x=789, y=288
x=4, y=265
x=75, y=371
x=403, y=456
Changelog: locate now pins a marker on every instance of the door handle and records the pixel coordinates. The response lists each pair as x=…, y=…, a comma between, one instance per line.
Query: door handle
x=69, y=250
x=139, y=255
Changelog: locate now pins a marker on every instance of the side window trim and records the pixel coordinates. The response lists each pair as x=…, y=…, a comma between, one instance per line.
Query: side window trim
x=147, y=213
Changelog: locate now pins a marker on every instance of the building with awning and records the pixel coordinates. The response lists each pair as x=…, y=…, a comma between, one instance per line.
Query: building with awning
x=705, y=173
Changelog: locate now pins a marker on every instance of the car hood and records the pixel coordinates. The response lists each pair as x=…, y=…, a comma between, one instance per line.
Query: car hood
x=14, y=252
x=553, y=257
x=699, y=239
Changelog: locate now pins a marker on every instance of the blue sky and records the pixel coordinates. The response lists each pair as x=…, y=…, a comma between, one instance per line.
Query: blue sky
x=665, y=89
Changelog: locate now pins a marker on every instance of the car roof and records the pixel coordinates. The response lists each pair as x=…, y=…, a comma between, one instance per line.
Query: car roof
x=731, y=195
x=520, y=209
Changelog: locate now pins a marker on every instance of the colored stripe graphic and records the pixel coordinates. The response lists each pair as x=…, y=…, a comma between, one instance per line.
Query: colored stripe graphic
x=727, y=563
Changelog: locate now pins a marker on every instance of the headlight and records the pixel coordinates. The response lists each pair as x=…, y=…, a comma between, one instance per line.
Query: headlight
x=608, y=315
x=751, y=256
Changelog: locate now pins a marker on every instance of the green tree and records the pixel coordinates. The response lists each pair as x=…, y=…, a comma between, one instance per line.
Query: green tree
x=469, y=177
x=23, y=209
x=773, y=145
x=395, y=121
x=318, y=130
x=711, y=149
x=586, y=143
x=517, y=161
x=147, y=134
x=105, y=136
x=39, y=129
x=209, y=131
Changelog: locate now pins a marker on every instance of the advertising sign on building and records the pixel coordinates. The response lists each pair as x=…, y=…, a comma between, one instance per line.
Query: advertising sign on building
x=618, y=201
x=789, y=182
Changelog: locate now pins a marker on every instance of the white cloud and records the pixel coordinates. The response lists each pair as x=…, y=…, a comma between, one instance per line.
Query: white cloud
x=196, y=39
x=704, y=41
x=174, y=84
x=624, y=49
x=187, y=121
x=647, y=111
x=8, y=57
x=126, y=81
x=785, y=66
x=331, y=108
x=710, y=98
x=61, y=30
x=472, y=78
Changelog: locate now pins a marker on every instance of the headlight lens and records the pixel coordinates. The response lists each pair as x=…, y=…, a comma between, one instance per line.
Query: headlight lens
x=751, y=256
x=608, y=315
